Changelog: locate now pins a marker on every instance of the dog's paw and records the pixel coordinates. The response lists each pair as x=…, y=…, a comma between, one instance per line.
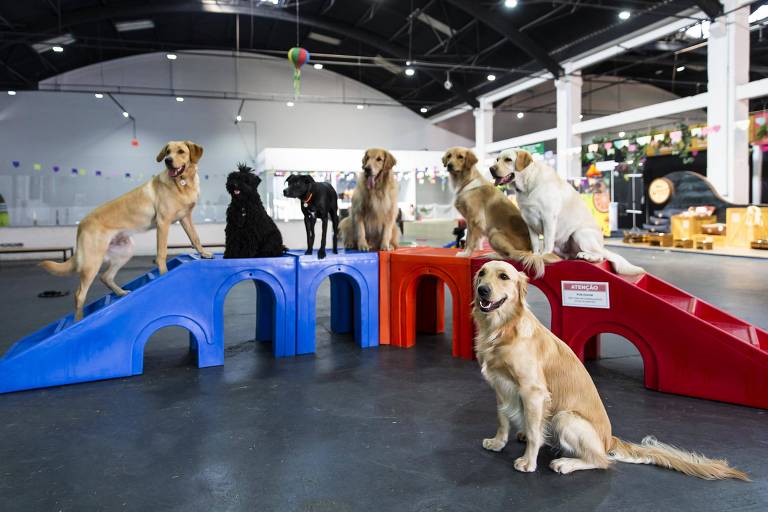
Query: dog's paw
x=493, y=444
x=524, y=465
x=363, y=246
x=307, y=252
x=207, y=255
x=563, y=465
x=521, y=437
x=464, y=254
x=122, y=293
x=321, y=254
x=162, y=270
x=385, y=247
x=335, y=251
x=590, y=257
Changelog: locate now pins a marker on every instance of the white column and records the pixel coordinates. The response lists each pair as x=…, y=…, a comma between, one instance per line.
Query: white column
x=483, y=129
x=568, y=113
x=728, y=67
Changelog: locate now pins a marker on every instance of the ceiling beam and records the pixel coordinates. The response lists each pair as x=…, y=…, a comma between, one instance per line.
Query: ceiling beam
x=712, y=8
x=143, y=9
x=511, y=33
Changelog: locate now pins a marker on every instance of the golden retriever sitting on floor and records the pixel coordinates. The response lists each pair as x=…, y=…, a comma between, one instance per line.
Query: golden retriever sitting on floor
x=489, y=213
x=546, y=394
x=371, y=224
x=105, y=233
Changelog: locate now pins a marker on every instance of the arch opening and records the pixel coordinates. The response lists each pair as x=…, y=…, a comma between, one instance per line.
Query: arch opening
x=540, y=305
x=610, y=353
x=249, y=318
x=171, y=346
x=434, y=312
x=338, y=318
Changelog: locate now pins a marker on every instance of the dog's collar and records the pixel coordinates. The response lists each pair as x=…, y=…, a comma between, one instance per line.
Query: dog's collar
x=475, y=183
x=307, y=200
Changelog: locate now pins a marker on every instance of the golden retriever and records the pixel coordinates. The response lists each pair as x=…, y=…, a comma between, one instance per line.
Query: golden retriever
x=371, y=224
x=104, y=234
x=489, y=213
x=544, y=391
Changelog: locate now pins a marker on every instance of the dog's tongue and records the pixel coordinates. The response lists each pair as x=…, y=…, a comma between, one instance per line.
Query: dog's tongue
x=371, y=181
x=503, y=180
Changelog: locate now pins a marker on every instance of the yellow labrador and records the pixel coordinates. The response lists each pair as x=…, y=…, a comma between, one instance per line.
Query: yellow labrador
x=104, y=234
x=544, y=391
x=489, y=213
x=372, y=220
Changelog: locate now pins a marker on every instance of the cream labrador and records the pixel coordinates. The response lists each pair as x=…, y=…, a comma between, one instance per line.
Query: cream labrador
x=553, y=208
x=105, y=233
x=546, y=394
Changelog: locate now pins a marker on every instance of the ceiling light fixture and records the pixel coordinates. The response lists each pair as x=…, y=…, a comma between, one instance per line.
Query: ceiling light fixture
x=520, y=115
x=680, y=68
x=289, y=103
x=624, y=15
x=510, y=3
x=126, y=114
x=318, y=66
x=360, y=107
x=238, y=118
x=179, y=99
x=171, y=56
x=98, y=95
x=11, y=93
x=410, y=71
x=130, y=26
x=423, y=110
x=322, y=38
x=55, y=43
x=622, y=134
x=491, y=77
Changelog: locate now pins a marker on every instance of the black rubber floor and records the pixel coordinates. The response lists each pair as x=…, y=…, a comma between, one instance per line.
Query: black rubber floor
x=349, y=429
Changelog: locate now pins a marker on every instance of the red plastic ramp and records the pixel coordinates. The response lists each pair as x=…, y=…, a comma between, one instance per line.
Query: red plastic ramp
x=688, y=346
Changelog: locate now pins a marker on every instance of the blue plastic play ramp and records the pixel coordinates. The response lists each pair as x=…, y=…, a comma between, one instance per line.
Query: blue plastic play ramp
x=109, y=342
x=354, y=296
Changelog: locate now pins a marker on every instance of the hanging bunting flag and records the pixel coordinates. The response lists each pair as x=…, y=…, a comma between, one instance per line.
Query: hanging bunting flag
x=593, y=148
x=298, y=57
x=81, y=172
x=55, y=168
x=16, y=163
x=644, y=140
x=608, y=145
x=676, y=136
x=696, y=132
x=37, y=167
x=658, y=137
x=97, y=173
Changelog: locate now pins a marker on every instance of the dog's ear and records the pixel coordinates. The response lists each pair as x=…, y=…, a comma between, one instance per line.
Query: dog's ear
x=470, y=160
x=389, y=161
x=365, y=158
x=522, y=288
x=523, y=160
x=161, y=154
x=195, y=151
x=446, y=157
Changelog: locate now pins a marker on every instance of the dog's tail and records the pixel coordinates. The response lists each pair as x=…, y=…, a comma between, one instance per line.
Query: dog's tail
x=60, y=269
x=532, y=263
x=651, y=451
x=621, y=265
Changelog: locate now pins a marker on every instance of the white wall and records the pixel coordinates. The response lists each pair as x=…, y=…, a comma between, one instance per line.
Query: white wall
x=76, y=130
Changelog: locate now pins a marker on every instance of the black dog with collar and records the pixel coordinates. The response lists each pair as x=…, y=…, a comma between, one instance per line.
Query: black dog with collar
x=318, y=201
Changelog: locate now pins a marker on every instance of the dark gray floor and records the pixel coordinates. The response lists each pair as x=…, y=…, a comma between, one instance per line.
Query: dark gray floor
x=349, y=429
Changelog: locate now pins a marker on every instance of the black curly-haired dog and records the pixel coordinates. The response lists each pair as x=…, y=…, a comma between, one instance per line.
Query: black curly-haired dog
x=250, y=232
x=318, y=201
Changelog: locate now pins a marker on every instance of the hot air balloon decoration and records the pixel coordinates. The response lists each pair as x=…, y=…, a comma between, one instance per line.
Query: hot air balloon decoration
x=298, y=57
